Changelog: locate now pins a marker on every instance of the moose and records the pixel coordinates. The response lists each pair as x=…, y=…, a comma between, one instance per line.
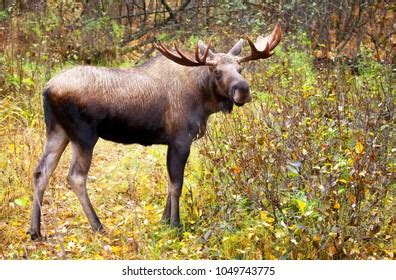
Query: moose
x=167, y=100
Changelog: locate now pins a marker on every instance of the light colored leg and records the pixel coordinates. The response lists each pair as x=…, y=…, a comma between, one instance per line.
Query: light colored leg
x=81, y=162
x=56, y=143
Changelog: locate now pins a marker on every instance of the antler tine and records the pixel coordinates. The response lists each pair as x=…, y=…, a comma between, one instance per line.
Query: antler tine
x=267, y=48
x=204, y=58
x=276, y=36
x=197, y=53
x=181, y=58
x=162, y=46
x=206, y=53
x=271, y=41
x=251, y=44
x=181, y=53
x=162, y=49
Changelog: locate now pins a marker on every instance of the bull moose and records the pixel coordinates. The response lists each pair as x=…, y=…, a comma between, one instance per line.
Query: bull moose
x=166, y=100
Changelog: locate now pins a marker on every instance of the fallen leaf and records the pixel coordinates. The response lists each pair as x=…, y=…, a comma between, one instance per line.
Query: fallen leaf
x=359, y=149
x=331, y=250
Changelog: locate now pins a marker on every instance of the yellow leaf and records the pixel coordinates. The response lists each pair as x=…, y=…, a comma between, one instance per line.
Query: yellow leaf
x=270, y=220
x=260, y=141
x=117, y=208
x=263, y=214
x=389, y=253
x=265, y=218
x=98, y=257
x=106, y=239
x=187, y=235
x=301, y=205
x=333, y=234
x=359, y=149
x=293, y=227
x=116, y=249
x=337, y=206
x=16, y=223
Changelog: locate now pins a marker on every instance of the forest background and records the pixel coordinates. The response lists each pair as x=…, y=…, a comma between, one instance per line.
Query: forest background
x=305, y=171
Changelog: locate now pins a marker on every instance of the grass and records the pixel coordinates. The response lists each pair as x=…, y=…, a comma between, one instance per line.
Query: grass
x=127, y=185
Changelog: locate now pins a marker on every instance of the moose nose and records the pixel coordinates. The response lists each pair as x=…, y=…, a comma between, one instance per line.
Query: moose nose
x=240, y=93
x=241, y=86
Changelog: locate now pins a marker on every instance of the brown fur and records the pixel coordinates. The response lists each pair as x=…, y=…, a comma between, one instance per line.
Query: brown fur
x=159, y=102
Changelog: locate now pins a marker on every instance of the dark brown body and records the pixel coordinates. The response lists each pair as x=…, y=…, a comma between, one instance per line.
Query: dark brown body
x=140, y=105
x=134, y=105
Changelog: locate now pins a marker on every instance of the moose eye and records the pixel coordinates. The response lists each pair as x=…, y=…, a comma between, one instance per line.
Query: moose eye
x=218, y=74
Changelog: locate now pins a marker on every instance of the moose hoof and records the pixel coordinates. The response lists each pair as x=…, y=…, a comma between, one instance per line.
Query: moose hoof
x=99, y=229
x=165, y=220
x=175, y=224
x=34, y=235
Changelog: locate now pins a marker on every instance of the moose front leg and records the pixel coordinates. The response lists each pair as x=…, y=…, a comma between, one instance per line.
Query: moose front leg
x=178, y=152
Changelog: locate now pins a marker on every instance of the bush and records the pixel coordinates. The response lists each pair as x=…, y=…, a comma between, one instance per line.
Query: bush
x=308, y=165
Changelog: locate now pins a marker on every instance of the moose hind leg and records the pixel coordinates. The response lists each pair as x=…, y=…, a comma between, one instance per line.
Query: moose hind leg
x=81, y=162
x=56, y=143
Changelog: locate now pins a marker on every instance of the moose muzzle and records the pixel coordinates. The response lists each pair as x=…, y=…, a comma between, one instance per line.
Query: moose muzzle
x=240, y=93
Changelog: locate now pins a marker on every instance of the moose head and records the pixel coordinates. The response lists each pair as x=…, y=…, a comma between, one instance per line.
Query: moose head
x=226, y=68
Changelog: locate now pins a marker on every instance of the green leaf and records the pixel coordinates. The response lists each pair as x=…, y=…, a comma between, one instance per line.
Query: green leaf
x=22, y=202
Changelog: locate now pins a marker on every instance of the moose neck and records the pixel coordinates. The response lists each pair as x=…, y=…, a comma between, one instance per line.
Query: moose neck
x=198, y=83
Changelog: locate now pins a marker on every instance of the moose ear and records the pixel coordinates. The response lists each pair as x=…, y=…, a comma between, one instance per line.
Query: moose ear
x=202, y=49
x=237, y=48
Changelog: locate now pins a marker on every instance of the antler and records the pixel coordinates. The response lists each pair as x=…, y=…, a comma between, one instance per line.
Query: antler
x=264, y=45
x=182, y=59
